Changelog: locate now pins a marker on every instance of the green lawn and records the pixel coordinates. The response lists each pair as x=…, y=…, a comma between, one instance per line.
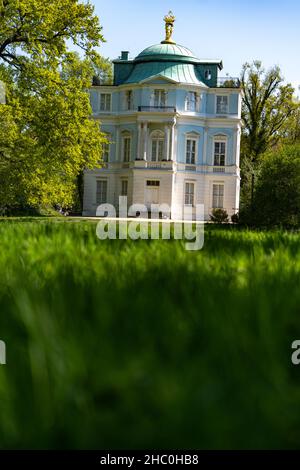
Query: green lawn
x=121, y=344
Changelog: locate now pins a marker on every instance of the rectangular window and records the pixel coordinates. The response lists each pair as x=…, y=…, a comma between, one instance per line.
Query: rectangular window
x=152, y=183
x=191, y=151
x=124, y=189
x=105, y=151
x=219, y=153
x=189, y=194
x=129, y=100
x=101, y=192
x=222, y=104
x=126, y=149
x=218, y=196
x=192, y=101
x=105, y=101
x=160, y=98
x=157, y=150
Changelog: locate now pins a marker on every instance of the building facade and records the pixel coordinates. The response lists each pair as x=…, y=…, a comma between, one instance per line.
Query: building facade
x=173, y=127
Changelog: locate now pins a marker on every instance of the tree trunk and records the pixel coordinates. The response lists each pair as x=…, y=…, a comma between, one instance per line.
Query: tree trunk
x=252, y=192
x=80, y=189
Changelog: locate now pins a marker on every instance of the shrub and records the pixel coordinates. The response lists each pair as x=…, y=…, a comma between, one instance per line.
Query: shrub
x=235, y=218
x=219, y=216
x=277, y=191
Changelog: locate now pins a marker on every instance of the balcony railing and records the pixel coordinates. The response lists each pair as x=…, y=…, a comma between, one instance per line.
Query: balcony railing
x=165, y=164
x=160, y=165
x=232, y=169
x=219, y=169
x=190, y=167
x=157, y=109
x=228, y=82
x=170, y=165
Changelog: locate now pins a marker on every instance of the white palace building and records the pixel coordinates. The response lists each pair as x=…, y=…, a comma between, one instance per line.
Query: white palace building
x=173, y=128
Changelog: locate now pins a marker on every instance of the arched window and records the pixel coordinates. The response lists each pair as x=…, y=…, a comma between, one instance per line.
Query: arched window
x=207, y=74
x=157, y=146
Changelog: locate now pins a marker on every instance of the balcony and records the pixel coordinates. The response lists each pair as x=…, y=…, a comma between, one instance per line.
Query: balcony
x=228, y=82
x=227, y=169
x=161, y=165
x=170, y=165
x=157, y=109
x=190, y=167
x=141, y=164
x=219, y=169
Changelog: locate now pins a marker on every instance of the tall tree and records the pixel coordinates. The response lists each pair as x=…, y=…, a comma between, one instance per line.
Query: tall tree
x=50, y=137
x=267, y=104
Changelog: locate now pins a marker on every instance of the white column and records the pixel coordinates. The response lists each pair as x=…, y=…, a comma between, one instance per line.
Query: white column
x=139, y=141
x=172, y=154
x=238, y=145
x=118, y=144
x=205, y=146
x=167, y=142
x=145, y=140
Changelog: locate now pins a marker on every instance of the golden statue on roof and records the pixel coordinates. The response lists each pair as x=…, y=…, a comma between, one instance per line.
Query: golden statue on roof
x=169, y=20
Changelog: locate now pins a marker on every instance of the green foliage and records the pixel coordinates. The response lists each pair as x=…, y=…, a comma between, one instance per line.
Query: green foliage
x=277, y=192
x=235, y=218
x=219, y=216
x=269, y=114
x=47, y=137
x=290, y=131
x=40, y=28
x=104, y=352
x=103, y=73
x=267, y=103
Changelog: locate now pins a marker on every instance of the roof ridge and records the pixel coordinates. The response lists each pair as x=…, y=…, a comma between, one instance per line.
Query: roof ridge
x=167, y=49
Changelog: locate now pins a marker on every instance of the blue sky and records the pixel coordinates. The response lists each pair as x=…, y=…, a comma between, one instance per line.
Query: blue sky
x=236, y=31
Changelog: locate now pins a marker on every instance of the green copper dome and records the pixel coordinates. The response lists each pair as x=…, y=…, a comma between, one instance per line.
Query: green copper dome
x=166, y=61
x=173, y=71
x=163, y=52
